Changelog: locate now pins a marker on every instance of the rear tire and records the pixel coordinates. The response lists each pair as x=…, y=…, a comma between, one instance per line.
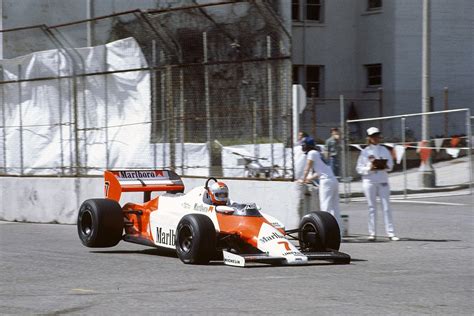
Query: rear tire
x=100, y=223
x=195, y=239
x=319, y=231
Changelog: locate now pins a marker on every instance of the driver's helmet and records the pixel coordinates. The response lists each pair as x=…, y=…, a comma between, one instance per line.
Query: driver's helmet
x=219, y=193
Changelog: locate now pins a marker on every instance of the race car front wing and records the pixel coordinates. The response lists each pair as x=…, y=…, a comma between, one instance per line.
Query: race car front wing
x=243, y=260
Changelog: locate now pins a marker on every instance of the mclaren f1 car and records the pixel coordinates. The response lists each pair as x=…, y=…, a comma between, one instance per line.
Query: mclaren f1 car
x=237, y=233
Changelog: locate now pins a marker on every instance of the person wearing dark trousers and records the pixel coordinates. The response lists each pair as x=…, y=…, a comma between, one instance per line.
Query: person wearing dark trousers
x=333, y=151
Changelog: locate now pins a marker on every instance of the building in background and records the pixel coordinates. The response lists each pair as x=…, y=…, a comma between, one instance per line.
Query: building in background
x=356, y=48
x=367, y=50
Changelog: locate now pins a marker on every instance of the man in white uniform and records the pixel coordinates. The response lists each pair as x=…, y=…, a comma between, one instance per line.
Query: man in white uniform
x=328, y=184
x=373, y=164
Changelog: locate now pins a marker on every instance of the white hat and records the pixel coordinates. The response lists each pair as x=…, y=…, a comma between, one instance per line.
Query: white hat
x=373, y=130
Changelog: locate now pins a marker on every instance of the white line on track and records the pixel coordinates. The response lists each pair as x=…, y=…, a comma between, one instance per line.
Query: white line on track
x=426, y=202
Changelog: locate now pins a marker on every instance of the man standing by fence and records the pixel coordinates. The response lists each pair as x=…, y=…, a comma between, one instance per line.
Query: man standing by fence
x=373, y=164
x=333, y=150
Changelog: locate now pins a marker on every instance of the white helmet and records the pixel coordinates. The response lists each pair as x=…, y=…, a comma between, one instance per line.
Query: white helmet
x=219, y=193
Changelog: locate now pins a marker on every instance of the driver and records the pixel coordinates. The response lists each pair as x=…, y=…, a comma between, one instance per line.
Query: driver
x=219, y=193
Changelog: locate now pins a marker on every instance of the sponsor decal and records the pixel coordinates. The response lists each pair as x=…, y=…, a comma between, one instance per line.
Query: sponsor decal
x=200, y=208
x=296, y=253
x=231, y=260
x=273, y=236
x=136, y=174
x=285, y=244
x=165, y=238
x=186, y=205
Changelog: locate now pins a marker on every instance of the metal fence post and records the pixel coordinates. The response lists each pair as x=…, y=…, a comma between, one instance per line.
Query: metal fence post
x=106, y=105
x=206, y=100
x=469, y=154
x=405, y=181
x=4, y=134
x=343, y=145
x=60, y=105
x=163, y=109
x=20, y=108
x=153, y=99
x=181, y=117
x=270, y=101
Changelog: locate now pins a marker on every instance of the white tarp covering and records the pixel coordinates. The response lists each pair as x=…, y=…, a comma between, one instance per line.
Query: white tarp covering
x=113, y=114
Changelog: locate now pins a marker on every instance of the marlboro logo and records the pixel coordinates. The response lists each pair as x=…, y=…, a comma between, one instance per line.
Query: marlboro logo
x=136, y=174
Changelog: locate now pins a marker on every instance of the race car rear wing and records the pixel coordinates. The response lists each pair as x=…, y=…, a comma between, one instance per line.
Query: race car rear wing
x=147, y=181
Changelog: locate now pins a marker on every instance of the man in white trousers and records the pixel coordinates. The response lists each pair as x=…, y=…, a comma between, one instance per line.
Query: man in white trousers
x=328, y=184
x=373, y=164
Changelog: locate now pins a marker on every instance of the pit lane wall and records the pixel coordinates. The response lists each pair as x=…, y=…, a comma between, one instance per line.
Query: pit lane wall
x=57, y=200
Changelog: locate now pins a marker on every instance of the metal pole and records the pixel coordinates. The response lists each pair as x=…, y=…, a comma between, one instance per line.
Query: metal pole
x=425, y=69
x=154, y=101
x=206, y=100
x=60, y=105
x=163, y=110
x=343, y=143
x=469, y=154
x=20, y=108
x=181, y=116
x=171, y=111
x=90, y=24
x=446, y=105
x=106, y=105
x=381, y=107
x=405, y=179
x=254, y=128
x=427, y=173
x=4, y=134
x=270, y=100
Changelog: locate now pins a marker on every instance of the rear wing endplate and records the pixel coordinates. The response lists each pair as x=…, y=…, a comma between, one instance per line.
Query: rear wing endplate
x=147, y=181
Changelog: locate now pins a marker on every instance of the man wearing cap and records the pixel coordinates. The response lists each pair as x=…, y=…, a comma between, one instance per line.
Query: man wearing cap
x=328, y=185
x=373, y=165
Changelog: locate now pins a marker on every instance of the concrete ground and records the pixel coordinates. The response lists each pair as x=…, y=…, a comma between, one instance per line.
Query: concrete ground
x=44, y=269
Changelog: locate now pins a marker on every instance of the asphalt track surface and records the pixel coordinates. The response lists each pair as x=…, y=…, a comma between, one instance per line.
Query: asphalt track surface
x=45, y=270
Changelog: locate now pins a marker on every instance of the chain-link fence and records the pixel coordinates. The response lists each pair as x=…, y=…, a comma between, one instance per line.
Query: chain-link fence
x=177, y=88
x=444, y=161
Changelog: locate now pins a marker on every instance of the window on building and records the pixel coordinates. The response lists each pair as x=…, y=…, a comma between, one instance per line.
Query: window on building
x=374, y=75
x=374, y=4
x=295, y=9
x=313, y=81
x=310, y=10
x=310, y=77
x=313, y=10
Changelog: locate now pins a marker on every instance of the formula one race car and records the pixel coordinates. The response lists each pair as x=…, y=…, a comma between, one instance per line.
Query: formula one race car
x=199, y=231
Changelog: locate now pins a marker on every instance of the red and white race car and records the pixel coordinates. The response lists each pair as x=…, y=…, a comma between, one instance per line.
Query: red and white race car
x=237, y=233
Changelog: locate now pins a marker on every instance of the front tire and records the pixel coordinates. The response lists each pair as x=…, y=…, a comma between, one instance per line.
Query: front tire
x=195, y=239
x=100, y=223
x=319, y=231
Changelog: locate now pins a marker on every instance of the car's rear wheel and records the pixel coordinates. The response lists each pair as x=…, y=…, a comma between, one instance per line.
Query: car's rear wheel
x=195, y=239
x=319, y=231
x=100, y=223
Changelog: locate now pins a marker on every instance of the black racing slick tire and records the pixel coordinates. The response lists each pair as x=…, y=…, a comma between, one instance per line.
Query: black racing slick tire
x=195, y=239
x=100, y=223
x=319, y=231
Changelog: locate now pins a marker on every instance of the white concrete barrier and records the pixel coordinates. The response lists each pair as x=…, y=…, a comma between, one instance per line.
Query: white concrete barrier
x=57, y=200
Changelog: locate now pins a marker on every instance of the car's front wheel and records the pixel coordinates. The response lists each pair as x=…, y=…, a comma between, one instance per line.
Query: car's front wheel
x=195, y=239
x=100, y=223
x=319, y=231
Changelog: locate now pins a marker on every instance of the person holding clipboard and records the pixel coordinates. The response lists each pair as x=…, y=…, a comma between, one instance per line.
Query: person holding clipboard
x=373, y=165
